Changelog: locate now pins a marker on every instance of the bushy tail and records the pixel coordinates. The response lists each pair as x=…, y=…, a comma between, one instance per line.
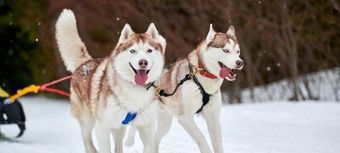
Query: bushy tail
x=73, y=51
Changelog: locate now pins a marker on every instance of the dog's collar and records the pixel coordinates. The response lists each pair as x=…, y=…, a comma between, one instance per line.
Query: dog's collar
x=204, y=72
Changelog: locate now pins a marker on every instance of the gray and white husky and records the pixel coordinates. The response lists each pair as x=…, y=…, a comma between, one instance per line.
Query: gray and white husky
x=212, y=61
x=104, y=91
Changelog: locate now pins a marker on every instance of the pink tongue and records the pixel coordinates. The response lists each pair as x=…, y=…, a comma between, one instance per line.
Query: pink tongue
x=224, y=72
x=141, y=77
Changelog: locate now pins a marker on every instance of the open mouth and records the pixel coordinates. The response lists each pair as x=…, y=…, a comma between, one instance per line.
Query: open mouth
x=226, y=72
x=141, y=75
x=136, y=71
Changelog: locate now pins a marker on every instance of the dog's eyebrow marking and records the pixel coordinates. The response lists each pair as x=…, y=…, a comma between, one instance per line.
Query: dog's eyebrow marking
x=124, y=46
x=149, y=40
x=222, y=40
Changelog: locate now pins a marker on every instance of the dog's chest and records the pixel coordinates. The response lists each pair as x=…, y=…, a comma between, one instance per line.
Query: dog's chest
x=113, y=114
x=211, y=86
x=121, y=103
x=133, y=98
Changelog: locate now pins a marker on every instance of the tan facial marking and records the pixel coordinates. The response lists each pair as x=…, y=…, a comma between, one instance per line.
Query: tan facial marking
x=135, y=39
x=220, y=40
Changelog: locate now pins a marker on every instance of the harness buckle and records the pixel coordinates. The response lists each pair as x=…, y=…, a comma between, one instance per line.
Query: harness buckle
x=191, y=75
x=157, y=90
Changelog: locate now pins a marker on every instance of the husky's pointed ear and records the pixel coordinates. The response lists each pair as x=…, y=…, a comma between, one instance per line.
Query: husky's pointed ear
x=152, y=31
x=126, y=33
x=211, y=34
x=231, y=31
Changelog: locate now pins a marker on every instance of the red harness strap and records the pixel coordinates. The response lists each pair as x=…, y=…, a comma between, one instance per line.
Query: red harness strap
x=36, y=88
x=204, y=72
x=45, y=87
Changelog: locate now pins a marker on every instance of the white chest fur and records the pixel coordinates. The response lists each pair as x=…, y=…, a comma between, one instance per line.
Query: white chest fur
x=128, y=97
x=112, y=114
x=132, y=97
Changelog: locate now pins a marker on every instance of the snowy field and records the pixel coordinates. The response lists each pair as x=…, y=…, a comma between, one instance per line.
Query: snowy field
x=276, y=127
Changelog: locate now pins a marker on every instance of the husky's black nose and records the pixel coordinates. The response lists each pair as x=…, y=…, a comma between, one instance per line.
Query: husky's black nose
x=239, y=63
x=143, y=63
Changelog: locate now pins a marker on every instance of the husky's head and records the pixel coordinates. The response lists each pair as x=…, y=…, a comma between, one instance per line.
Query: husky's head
x=139, y=58
x=221, y=53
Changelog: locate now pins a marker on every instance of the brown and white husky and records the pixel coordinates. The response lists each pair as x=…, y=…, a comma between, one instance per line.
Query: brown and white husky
x=212, y=61
x=105, y=91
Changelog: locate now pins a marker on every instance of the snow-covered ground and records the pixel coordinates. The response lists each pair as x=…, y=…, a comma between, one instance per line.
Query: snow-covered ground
x=276, y=127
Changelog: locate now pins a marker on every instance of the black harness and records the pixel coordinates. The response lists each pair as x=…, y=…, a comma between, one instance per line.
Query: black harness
x=191, y=75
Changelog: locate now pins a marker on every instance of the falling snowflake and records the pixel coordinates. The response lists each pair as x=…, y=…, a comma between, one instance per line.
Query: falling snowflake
x=268, y=68
x=36, y=40
x=278, y=64
x=117, y=19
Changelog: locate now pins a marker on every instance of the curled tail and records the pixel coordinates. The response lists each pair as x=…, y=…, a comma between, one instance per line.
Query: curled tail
x=72, y=49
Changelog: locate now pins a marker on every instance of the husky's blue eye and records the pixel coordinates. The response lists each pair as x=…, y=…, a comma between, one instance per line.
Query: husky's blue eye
x=149, y=50
x=132, y=51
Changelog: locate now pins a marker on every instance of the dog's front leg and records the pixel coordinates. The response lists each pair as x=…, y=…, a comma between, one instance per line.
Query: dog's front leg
x=214, y=128
x=163, y=126
x=118, y=135
x=211, y=114
x=147, y=133
x=190, y=126
x=103, y=138
x=130, y=140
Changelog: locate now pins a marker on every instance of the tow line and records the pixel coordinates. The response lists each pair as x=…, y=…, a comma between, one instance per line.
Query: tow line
x=36, y=88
